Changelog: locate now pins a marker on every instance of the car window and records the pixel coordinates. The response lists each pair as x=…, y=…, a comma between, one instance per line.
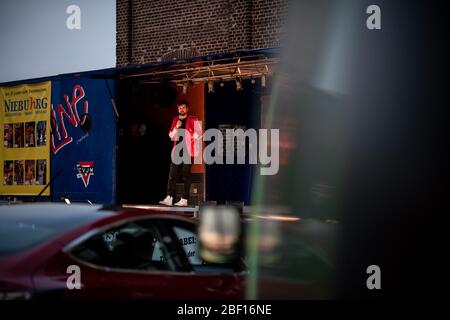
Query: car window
x=133, y=245
x=188, y=240
x=186, y=234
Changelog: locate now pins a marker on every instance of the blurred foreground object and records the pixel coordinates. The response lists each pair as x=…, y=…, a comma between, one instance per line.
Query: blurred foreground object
x=219, y=234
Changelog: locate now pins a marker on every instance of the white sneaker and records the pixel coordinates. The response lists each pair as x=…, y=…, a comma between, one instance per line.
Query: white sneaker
x=167, y=201
x=181, y=203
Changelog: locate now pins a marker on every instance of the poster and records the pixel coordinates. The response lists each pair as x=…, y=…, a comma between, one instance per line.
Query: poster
x=24, y=144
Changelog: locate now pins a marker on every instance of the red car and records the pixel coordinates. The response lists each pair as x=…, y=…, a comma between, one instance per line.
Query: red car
x=93, y=252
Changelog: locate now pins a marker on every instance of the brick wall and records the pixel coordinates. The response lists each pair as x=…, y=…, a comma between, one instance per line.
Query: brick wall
x=268, y=18
x=159, y=29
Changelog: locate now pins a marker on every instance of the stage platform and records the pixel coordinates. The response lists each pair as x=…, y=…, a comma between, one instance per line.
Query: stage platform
x=188, y=209
x=272, y=211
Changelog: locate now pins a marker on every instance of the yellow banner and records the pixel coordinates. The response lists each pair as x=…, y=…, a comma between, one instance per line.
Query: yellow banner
x=25, y=152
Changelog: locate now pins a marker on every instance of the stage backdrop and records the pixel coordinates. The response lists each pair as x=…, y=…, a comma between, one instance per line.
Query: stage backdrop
x=83, y=142
x=25, y=154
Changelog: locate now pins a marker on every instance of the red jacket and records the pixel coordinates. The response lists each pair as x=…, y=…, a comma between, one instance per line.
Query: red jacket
x=193, y=131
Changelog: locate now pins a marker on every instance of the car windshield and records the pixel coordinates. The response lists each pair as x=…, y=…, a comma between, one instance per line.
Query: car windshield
x=25, y=226
x=18, y=236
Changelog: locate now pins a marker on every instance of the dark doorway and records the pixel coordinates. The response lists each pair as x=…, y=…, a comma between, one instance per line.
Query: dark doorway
x=144, y=146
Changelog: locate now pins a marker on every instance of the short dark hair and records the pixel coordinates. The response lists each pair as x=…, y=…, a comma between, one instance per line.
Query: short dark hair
x=179, y=103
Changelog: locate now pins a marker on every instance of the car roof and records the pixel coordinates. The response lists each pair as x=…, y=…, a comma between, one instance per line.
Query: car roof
x=52, y=214
x=58, y=219
x=62, y=215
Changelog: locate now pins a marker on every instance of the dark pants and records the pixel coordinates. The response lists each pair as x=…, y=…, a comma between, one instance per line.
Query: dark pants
x=179, y=173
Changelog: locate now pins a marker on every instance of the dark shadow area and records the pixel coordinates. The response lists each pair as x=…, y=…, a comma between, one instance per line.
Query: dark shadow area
x=144, y=147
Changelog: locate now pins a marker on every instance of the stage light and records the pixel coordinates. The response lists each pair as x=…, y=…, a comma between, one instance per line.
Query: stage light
x=238, y=84
x=185, y=87
x=263, y=81
x=210, y=86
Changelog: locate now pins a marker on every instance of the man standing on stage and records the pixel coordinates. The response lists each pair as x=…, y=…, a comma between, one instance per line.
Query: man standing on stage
x=192, y=131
